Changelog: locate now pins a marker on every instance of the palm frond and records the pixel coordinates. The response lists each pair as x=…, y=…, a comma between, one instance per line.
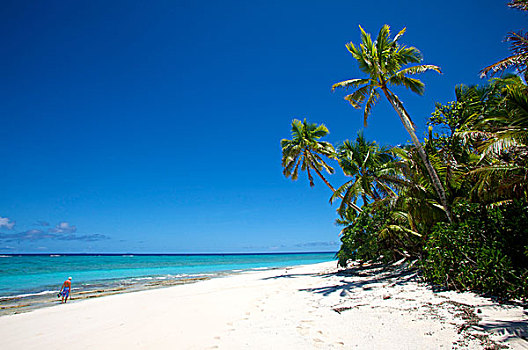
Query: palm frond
x=501, y=65
x=415, y=85
x=400, y=34
x=350, y=196
x=419, y=69
x=519, y=43
x=497, y=145
x=295, y=174
x=338, y=193
x=319, y=131
x=519, y=4
x=406, y=55
x=366, y=40
x=396, y=229
x=357, y=97
x=310, y=177
x=383, y=43
x=371, y=101
x=353, y=50
x=297, y=129
x=320, y=163
x=350, y=83
x=326, y=149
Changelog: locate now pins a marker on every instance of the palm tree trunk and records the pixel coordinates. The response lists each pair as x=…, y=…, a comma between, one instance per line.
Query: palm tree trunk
x=353, y=205
x=406, y=121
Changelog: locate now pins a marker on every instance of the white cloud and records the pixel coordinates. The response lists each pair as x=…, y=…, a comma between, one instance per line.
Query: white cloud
x=63, y=227
x=6, y=223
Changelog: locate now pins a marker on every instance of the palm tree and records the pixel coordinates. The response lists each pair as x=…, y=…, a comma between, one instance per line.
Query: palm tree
x=305, y=150
x=383, y=61
x=519, y=48
x=363, y=161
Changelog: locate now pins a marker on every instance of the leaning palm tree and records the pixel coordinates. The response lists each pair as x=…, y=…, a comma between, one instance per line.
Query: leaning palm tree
x=383, y=61
x=304, y=150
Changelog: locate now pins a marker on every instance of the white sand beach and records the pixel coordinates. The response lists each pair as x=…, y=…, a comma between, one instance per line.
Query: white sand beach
x=303, y=307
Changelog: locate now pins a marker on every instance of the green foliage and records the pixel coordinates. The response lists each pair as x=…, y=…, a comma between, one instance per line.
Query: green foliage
x=458, y=201
x=305, y=150
x=364, y=162
x=360, y=239
x=493, y=130
x=486, y=250
x=383, y=61
x=377, y=233
x=482, y=141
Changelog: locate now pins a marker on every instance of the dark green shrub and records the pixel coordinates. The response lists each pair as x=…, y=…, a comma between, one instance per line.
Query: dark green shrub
x=360, y=238
x=485, y=250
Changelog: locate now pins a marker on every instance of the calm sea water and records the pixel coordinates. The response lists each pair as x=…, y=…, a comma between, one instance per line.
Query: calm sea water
x=26, y=275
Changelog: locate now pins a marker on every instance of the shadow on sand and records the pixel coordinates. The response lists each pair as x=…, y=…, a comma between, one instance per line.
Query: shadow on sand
x=369, y=276
x=510, y=330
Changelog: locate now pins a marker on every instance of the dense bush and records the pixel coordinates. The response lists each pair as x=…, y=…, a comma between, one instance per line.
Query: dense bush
x=361, y=239
x=485, y=250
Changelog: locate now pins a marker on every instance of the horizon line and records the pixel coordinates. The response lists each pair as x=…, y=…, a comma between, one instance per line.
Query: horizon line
x=167, y=254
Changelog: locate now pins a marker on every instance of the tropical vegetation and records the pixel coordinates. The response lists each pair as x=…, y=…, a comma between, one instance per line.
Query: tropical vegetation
x=456, y=202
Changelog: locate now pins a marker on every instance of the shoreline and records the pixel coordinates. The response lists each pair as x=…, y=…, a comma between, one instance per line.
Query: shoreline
x=20, y=304
x=96, y=275
x=16, y=304
x=300, y=307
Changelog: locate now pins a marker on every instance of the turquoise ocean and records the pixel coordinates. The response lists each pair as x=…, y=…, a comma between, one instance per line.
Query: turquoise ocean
x=27, y=276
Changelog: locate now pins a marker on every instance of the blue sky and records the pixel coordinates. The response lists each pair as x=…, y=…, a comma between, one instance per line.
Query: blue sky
x=131, y=126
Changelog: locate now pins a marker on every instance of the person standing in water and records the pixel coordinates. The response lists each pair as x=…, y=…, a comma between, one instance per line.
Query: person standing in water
x=65, y=290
